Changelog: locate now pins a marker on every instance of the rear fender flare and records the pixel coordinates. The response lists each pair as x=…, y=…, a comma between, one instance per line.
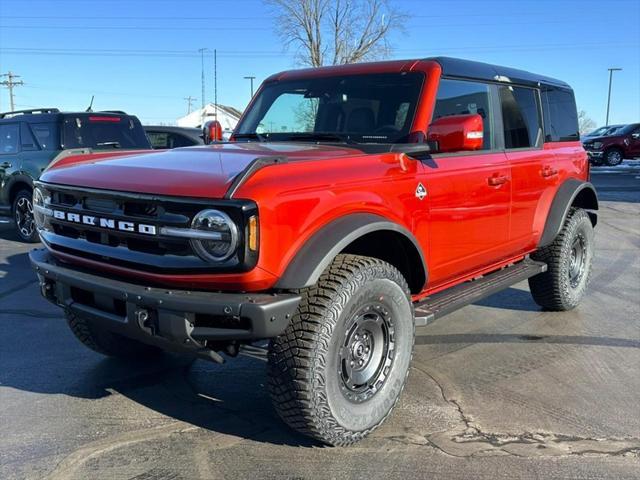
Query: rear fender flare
x=571, y=193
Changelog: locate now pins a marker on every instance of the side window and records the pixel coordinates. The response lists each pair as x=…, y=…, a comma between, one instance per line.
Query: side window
x=458, y=97
x=520, y=117
x=9, y=138
x=27, y=141
x=560, y=116
x=46, y=135
x=179, y=141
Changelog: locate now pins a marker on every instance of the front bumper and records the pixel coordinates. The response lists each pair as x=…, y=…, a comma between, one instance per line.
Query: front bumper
x=594, y=154
x=177, y=320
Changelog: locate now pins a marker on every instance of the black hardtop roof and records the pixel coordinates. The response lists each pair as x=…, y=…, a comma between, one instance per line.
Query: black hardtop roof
x=457, y=67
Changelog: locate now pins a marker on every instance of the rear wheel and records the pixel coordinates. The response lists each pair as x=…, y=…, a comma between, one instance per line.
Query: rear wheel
x=108, y=343
x=23, y=217
x=338, y=370
x=613, y=157
x=569, y=259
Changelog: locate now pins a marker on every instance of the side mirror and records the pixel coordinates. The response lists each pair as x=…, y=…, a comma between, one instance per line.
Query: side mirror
x=212, y=132
x=457, y=133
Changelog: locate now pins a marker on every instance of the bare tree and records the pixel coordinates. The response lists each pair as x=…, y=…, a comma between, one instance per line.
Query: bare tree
x=334, y=32
x=585, y=124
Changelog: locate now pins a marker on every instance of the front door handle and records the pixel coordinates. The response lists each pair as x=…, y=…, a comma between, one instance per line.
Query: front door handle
x=6, y=165
x=497, y=180
x=548, y=172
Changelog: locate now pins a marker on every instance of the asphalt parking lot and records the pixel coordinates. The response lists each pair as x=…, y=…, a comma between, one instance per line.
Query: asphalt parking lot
x=499, y=389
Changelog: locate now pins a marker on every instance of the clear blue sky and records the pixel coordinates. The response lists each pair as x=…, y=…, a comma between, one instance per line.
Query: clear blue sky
x=141, y=55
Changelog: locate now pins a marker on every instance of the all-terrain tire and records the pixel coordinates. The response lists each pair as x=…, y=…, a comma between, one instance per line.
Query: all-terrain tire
x=565, y=282
x=307, y=363
x=108, y=343
x=22, y=213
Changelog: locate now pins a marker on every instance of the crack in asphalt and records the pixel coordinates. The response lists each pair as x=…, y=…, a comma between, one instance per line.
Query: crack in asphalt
x=469, y=440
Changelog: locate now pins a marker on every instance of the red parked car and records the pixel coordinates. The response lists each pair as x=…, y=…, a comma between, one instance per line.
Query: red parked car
x=356, y=203
x=612, y=148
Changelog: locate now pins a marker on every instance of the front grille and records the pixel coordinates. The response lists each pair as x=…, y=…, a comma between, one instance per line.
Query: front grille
x=132, y=249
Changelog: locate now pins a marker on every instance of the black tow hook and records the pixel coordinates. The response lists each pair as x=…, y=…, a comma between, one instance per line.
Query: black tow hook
x=143, y=317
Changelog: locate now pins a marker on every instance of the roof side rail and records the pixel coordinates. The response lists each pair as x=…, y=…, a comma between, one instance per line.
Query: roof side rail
x=28, y=112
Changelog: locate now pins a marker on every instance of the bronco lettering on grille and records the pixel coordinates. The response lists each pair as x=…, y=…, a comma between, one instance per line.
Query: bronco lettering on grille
x=102, y=222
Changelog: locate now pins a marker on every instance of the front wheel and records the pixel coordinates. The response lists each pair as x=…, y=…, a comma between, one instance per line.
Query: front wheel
x=569, y=259
x=23, y=217
x=613, y=157
x=338, y=370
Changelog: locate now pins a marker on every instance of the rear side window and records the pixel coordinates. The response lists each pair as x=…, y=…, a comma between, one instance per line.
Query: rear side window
x=9, y=138
x=458, y=97
x=47, y=135
x=560, y=116
x=520, y=117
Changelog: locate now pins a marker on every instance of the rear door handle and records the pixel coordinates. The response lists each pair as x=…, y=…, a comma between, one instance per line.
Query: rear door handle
x=549, y=172
x=6, y=165
x=497, y=180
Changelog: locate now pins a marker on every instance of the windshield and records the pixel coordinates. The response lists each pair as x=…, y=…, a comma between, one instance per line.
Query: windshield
x=599, y=131
x=625, y=130
x=103, y=132
x=376, y=108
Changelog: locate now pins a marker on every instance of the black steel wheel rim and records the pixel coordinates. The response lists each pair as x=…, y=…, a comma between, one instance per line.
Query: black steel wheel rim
x=24, y=217
x=577, y=260
x=366, y=352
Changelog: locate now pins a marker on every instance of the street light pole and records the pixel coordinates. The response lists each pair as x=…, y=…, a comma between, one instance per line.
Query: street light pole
x=251, y=79
x=611, y=70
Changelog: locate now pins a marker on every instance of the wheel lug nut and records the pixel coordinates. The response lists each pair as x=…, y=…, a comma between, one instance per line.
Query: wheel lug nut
x=352, y=363
x=366, y=350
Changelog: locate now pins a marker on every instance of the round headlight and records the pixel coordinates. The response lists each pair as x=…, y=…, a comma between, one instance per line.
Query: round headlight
x=220, y=236
x=41, y=210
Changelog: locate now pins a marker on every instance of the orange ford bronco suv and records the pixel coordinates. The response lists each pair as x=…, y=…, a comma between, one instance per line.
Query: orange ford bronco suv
x=352, y=204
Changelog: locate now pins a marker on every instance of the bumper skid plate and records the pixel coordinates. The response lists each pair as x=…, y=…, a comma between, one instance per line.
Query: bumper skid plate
x=177, y=320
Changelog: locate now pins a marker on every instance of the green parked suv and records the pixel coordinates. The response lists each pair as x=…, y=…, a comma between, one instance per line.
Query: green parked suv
x=31, y=139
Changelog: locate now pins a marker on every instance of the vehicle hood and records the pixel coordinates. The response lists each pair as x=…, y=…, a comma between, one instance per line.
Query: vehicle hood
x=202, y=171
x=603, y=139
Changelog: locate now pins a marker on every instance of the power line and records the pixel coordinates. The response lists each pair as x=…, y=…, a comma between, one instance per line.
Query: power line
x=10, y=83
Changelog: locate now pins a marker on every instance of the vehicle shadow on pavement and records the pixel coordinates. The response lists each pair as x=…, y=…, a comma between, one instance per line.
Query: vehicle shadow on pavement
x=511, y=299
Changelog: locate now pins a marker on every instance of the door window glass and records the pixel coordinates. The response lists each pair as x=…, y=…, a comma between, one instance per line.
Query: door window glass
x=560, y=116
x=9, y=138
x=520, y=117
x=457, y=97
x=46, y=134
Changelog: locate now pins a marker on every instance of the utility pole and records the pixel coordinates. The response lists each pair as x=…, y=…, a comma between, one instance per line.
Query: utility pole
x=215, y=83
x=10, y=83
x=251, y=79
x=611, y=70
x=190, y=101
x=202, y=51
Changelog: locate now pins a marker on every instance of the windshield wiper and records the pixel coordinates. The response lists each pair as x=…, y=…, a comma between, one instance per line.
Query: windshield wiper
x=108, y=144
x=251, y=136
x=321, y=137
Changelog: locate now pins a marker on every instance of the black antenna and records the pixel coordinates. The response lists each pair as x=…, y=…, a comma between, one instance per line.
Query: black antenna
x=90, y=105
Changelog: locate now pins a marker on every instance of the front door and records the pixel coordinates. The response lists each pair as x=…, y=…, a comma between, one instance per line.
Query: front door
x=469, y=193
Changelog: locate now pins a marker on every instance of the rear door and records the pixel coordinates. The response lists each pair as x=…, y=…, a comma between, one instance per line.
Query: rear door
x=9, y=157
x=469, y=193
x=634, y=143
x=533, y=168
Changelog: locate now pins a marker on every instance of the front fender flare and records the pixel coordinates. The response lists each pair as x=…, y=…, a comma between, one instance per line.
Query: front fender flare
x=324, y=245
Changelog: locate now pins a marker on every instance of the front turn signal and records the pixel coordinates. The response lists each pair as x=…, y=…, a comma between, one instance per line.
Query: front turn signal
x=253, y=233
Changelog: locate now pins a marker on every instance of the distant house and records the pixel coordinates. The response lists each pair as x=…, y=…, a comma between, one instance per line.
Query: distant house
x=227, y=116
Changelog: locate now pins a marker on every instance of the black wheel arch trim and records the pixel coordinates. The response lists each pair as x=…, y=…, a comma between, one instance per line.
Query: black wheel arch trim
x=324, y=245
x=12, y=181
x=565, y=198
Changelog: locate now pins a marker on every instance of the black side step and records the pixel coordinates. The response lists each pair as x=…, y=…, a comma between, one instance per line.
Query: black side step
x=447, y=301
